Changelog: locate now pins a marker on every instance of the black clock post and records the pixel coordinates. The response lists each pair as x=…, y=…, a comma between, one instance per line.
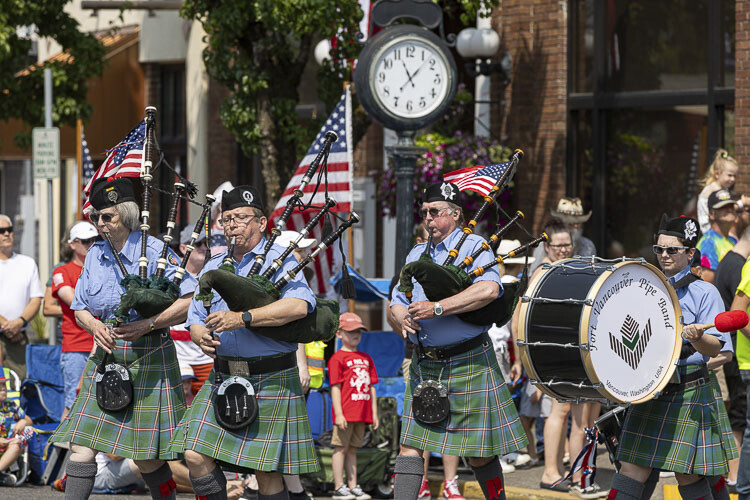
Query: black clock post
x=406, y=78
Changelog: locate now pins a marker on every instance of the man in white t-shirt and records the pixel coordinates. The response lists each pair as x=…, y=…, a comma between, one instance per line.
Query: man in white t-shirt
x=20, y=298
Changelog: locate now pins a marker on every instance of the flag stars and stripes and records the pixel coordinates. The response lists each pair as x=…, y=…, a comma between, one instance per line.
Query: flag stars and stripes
x=479, y=179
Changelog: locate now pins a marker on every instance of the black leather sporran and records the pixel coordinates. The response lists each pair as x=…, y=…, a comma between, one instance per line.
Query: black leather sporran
x=235, y=403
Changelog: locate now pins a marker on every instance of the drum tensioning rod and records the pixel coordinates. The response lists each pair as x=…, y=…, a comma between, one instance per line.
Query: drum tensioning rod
x=579, y=385
x=552, y=344
x=544, y=300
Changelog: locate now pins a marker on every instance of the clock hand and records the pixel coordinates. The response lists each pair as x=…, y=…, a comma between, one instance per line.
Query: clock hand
x=408, y=76
x=418, y=69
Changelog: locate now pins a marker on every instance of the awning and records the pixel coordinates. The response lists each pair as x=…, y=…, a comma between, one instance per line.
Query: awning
x=366, y=290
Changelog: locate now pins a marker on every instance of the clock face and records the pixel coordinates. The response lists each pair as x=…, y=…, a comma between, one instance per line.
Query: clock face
x=410, y=77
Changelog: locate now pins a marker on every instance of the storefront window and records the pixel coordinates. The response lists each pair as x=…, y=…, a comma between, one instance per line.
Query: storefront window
x=658, y=45
x=583, y=46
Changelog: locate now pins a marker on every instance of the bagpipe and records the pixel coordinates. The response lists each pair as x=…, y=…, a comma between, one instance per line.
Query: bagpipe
x=147, y=296
x=442, y=281
x=242, y=293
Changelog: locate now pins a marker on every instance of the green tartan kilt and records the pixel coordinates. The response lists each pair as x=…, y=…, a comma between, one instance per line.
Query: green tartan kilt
x=141, y=431
x=483, y=421
x=730, y=447
x=678, y=431
x=278, y=440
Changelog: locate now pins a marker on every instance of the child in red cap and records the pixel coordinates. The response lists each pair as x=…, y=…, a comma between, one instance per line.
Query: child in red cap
x=352, y=374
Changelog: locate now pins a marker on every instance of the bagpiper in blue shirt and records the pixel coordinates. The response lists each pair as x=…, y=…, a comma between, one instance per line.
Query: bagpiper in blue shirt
x=243, y=342
x=700, y=302
x=98, y=290
x=447, y=330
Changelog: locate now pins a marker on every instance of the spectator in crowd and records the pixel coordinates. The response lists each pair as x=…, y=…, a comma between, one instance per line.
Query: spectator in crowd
x=195, y=365
x=726, y=280
x=716, y=242
x=355, y=405
x=50, y=306
x=77, y=342
x=570, y=212
x=720, y=175
x=13, y=421
x=20, y=298
x=741, y=302
x=450, y=462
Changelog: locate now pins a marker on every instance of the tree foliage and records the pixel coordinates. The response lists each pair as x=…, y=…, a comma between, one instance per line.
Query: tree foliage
x=22, y=85
x=258, y=49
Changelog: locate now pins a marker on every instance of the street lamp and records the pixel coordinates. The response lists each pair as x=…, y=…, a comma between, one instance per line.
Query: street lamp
x=322, y=51
x=477, y=46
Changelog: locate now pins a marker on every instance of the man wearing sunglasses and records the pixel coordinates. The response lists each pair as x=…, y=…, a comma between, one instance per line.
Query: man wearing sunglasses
x=683, y=429
x=20, y=298
x=482, y=423
x=716, y=242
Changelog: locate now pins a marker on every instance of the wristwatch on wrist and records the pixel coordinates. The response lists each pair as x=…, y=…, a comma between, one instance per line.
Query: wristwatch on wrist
x=437, y=309
x=151, y=325
x=247, y=317
x=25, y=322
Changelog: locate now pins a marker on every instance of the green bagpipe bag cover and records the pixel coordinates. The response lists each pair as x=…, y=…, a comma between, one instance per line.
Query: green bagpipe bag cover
x=147, y=297
x=440, y=282
x=243, y=293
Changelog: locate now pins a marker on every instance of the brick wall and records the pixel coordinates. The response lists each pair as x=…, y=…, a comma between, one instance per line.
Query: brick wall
x=742, y=93
x=533, y=114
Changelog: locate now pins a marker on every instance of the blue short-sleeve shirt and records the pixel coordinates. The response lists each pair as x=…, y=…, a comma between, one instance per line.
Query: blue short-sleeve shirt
x=449, y=329
x=700, y=302
x=243, y=342
x=98, y=290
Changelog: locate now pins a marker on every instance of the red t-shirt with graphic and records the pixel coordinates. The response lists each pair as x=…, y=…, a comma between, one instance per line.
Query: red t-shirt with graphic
x=75, y=338
x=355, y=371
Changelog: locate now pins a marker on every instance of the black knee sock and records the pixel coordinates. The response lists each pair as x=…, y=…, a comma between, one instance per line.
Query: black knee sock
x=212, y=486
x=160, y=483
x=699, y=490
x=282, y=495
x=80, y=480
x=490, y=478
x=625, y=488
x=408, y=474
x=718, y=487
x=650, y=485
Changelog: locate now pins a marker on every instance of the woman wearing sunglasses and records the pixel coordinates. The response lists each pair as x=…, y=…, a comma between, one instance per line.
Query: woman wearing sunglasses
x=76, y=342
x=142, y=430
x=680, y=430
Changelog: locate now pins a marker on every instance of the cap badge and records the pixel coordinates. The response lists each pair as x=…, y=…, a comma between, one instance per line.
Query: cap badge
x=247, y=196
x=690, y=230
x=112, y=196
x=447, y=191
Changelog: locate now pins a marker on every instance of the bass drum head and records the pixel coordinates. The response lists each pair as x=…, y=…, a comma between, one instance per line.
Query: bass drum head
x=633, y=330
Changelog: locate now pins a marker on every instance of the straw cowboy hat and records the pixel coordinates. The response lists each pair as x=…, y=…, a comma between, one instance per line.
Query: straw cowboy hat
x=508, y=245
x=570, y=211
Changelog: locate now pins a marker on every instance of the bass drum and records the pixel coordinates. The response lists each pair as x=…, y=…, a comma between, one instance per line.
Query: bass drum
x=598, y=330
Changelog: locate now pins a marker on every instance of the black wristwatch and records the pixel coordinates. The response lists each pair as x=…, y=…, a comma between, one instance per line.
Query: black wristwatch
x=247, y=318
x=25, y=322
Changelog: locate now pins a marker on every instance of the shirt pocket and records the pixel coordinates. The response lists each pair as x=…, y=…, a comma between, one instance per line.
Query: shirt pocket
x=95, y=297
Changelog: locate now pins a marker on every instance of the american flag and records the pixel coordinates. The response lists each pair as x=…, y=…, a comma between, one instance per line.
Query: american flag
x=124, y=160
x=479, y=179
x=340, y=177
x=87, y=165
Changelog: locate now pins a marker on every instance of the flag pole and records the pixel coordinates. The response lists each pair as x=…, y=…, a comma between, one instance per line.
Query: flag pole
x=350, y=244
x=79, y=164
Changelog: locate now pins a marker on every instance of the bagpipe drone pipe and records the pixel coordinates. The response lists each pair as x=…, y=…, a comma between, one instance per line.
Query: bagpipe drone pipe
x=242, y=293
x=442, y=281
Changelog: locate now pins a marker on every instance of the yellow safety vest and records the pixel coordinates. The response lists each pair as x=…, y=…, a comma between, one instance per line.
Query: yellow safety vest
x=316, y=364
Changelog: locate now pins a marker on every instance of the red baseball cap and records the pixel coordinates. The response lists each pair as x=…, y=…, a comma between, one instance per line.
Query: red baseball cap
x=350, y=322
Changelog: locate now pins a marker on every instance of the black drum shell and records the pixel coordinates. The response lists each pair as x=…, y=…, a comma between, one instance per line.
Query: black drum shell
x=560, y=323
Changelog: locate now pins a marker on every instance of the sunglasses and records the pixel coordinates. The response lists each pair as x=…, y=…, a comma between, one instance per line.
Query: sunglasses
x=88, y=241
x=658, y=249
x=4, y=230
x=434, y=212
x=104, y=217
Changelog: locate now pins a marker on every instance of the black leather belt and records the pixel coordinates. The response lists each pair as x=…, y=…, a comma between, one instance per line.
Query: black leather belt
x=440, y=353
x=699, y=377
x=256, y=367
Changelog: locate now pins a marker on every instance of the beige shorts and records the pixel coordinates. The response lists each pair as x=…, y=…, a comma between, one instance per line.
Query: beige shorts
x=353, y=435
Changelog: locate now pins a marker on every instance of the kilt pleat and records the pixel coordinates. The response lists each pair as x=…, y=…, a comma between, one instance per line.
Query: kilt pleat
x=143, y=430
x=483, y=421
x=278, y=440
x=678, y=431
x=727, y=438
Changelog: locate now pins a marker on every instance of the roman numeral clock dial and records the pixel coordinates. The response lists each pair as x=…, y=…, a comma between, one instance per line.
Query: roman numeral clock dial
x=405, y=77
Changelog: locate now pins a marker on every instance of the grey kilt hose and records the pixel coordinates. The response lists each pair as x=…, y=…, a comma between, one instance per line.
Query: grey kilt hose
x=483, y=421
x=278, y=440
x=679, y=431
x=141, y=431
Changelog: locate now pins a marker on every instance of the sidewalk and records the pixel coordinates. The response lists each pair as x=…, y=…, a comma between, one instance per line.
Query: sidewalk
x=523, y=484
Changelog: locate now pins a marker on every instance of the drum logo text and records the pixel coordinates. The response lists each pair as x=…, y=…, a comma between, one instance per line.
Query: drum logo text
x=633, y=342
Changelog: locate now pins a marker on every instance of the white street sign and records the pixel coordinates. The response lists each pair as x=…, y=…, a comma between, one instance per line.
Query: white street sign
x=46, y=152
